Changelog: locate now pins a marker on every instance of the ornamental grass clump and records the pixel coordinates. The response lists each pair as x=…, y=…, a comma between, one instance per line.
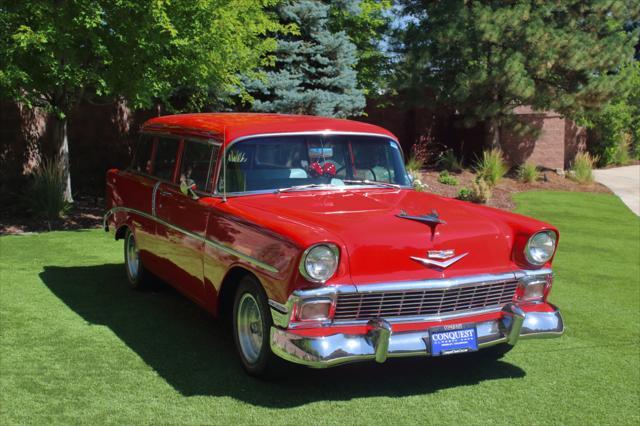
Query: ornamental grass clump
x=528, y=173
x=491, y=167
x=582, y=170
x=449, y=161
x=414, y=164
x=414, y=167
x=46, y=198
x=479, y=193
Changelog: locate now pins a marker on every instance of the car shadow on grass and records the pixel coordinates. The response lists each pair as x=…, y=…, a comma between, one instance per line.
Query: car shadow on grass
x=189, y=349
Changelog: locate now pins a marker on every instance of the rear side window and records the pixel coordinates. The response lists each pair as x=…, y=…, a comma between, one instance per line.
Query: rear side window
x=165, y=159
x=196, y=164
x=142, y=156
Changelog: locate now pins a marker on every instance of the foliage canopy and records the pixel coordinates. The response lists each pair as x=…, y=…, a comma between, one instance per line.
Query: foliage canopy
x=53, y=53
x=314, y=70
x=483, y=58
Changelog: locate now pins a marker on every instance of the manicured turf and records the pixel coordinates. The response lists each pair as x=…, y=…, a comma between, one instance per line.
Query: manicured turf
x=77, y=346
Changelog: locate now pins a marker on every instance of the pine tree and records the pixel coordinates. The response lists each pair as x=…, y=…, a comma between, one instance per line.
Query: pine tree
x=483, y=58
x=314, y=70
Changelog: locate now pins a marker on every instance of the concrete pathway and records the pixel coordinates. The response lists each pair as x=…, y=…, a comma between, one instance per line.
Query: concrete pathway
x=624, y=182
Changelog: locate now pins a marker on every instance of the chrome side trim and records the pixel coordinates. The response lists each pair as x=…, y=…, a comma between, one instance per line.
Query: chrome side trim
x=212, y=243
x=278, y=306
x=153, y=198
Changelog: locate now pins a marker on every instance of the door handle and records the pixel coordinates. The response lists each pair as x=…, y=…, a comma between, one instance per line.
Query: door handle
x=165, y=193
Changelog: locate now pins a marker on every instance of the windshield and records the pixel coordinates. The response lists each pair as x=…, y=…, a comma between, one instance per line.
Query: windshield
x=279, y=162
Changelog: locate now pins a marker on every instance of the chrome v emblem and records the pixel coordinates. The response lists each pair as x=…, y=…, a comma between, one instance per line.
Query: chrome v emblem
x=440, y=264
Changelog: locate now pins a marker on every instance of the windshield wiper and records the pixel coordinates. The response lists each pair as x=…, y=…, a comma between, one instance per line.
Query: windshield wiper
x=307, y=186
x=372, y=182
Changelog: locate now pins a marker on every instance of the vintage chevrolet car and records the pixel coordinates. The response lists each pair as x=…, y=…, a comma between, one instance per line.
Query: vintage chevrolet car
x=306, y=233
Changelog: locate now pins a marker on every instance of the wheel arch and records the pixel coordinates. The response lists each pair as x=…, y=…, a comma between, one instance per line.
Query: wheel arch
x=228, y=289
x=121, y=232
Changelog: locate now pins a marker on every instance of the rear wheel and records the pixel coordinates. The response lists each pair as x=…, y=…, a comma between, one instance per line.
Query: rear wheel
x=251, y=328
x=138, y=276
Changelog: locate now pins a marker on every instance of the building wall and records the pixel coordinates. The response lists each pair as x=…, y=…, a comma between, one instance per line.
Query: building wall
x=551, y=140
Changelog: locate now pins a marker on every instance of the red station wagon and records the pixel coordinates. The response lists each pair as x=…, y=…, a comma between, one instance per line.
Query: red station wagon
x=307, y=233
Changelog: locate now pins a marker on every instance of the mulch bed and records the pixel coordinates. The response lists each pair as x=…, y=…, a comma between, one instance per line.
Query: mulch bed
x=501, y=196
x=87, y=212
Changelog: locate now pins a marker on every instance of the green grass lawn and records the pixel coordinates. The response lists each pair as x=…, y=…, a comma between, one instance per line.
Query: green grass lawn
x=77, y=346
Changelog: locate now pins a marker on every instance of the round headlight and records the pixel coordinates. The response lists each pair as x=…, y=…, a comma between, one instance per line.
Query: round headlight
x=540, y=248
x=319, y=262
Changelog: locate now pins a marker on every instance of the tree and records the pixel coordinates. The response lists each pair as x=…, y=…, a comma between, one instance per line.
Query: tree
x=55, y=53
x=367, y=23
x=483, y=58
x=314, y=69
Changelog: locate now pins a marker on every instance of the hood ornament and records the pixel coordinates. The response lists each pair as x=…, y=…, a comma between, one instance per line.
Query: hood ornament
x=437, y=254
x=431, y=219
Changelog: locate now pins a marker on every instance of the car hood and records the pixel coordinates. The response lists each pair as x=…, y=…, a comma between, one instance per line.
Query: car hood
x=379, y=244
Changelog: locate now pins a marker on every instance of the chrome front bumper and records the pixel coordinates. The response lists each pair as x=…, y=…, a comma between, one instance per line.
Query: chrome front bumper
x=381, y=343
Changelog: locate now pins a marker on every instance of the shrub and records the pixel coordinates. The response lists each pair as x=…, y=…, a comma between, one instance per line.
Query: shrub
x=617, y=124
x=480, y=192
x=528, y=173
x=46, y=198
x=582, y=167
x=446, y=179
x=449, y=161
x=621, y=154
x=464, y=194
x=491, y=167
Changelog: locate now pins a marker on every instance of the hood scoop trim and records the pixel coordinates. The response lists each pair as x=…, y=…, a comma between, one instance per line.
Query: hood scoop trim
x=432, y=219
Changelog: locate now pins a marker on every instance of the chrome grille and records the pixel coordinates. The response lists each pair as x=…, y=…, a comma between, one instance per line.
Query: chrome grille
x=424, y=302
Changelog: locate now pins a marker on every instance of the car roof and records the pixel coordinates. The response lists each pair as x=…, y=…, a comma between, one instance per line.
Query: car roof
x=234, y=126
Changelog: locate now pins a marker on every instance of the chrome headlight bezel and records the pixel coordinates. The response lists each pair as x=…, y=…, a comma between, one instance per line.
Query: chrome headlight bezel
x=333, y=251
x=534, y=250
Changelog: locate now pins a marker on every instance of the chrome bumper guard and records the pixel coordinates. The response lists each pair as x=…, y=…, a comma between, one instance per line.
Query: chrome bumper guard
x=381, y=343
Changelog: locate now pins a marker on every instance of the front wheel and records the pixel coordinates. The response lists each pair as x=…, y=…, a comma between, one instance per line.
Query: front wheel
x=251, y=328
x=138, y=276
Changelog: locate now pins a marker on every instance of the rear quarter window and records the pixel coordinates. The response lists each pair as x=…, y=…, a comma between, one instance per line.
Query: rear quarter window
x=165, y=158
x=142, y=156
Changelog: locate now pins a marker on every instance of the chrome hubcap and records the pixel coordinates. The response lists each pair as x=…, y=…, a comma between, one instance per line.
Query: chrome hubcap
x=133, y=261
x=249, y=326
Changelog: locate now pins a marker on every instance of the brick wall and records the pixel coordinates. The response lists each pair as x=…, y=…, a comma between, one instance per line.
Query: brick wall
x=551, y=141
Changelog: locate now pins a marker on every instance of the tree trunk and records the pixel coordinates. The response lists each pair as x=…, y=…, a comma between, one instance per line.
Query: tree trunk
x=493, y=133
x=61, y=140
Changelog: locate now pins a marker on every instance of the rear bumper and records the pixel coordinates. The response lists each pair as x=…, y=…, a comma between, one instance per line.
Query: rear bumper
x=380, y=342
